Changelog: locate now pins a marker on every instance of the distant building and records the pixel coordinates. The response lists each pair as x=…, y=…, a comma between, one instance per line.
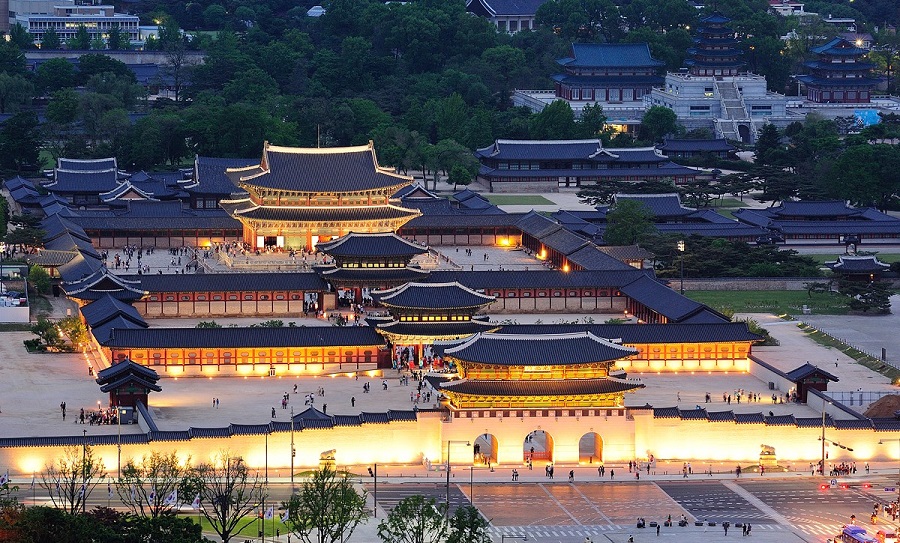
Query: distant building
x=786, y=7
x=526, y=165
x=509, y=16
x=718, y=148
x=840, y=75
x=714, y=92
x=65, y=17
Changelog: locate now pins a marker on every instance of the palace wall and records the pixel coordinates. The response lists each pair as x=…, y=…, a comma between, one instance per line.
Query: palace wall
x=228, y=304
x=193, y=238
x=625, y=434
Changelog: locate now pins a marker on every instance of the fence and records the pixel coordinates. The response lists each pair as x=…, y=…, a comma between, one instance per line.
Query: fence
x=846, y=342
x=858, y=398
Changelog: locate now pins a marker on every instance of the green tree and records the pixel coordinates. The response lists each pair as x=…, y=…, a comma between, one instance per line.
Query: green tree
x=208, y=324
x=92, y=64
x=55, y=74
x=229, y=494
x=12, y=59
x=15, y=92
x=459, y=175
x=768, y=145
x=555, y=122
x=467, y=525
x=415, y=519
x=50, y=40
x=144, y=487
x=116, y=40
x=70, y=480
x=21, y=37
x=658, y=122
x=39, y=278
x=74, y=328
x=866, y=175
x=582, y=19
x=592, y=123
x=628, y=223
x=81, y=41
x=97, y=43
x=326, y=509
x=20, y=142
x=63, y=106
x=872, y=297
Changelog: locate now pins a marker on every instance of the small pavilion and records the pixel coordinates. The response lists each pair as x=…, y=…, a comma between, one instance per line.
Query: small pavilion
x=808, y=377
x=859, y=268
x=422, y=313
x=128, y=383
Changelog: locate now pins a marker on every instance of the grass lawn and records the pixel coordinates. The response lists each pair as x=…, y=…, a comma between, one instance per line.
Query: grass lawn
x=727, y=202
x=249, y=531
x=887, y=258
x=518, y=200
x=777, y=302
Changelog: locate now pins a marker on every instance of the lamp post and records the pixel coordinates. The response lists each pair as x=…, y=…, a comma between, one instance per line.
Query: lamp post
x=293, y=450
x=681, y=248
x=83, y=471
x=824, y=441
x=119, y=412
x=450, y=442
x=884, y=442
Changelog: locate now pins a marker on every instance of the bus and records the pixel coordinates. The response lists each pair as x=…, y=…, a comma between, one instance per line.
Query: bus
x=855, y=534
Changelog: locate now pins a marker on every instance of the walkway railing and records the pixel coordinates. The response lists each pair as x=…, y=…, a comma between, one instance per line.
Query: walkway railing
x=847, y=342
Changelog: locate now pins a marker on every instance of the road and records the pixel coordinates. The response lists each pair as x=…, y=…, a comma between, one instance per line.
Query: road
x=563, y=512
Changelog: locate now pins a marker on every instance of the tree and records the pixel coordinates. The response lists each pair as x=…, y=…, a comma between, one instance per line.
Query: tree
x=92, y=64
x=467, y=525
x=21, y=37
x=459, y=175
x=12, y=59
x=629, y=222
x=326, y=509
x=50, y=41
x=147, y=488
x=81, y=41
x=415, y=519
x=20, y=143
x=555, y=122
x=116, y=40
x=657, y=122
x=872, y=297
x=54, y=75
x=75, y=329
x=70, y=480
x=768, y=145
x=39, y=278
x=229, y=493
x=15, y=92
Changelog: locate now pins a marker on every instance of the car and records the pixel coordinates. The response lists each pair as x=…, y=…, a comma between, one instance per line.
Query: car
x=886, y=536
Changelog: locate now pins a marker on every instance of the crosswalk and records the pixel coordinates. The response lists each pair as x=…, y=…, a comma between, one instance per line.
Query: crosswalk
x=814, y=529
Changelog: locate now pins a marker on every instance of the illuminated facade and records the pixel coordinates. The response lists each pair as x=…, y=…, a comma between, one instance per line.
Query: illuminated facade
x=66, y=18
x=513, y=371
x=298, y=197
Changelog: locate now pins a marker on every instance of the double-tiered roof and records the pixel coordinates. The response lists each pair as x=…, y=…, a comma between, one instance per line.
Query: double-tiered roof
x=297, y=196
x=715, y=51
x=839, y=75
x=540, y=370
x=370, y=260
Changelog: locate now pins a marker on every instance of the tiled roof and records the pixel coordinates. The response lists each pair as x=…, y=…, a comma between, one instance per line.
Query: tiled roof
x=484, y=280
x=101, y=281
x=102, y=332
x=813, y=208
x=70, y=242
x=123, y=189
x=601, y=55
x=625, y=252
x=372, y=276
x=356, y=244
x=566, y=242
x=540, y=149
x=320, y=214
x=106, y=308
x=50, y=258
x=849, y=424
x=780, y=420
x=83, y=182
x=86, y=165
x=231, y=282
x=631, y=334
x=749, y=418
x=344, y=169
x=126, y=367
x=458, y=329
x=432, y=296
x=288, y=336
x=464, y=221
x=131, y=380
x=660, y=205
x=661, y=299
x=720, y=416
x=79, y=268
x=693, y=414
x=575, y=80
x=568, y=387
x=538, y=350
x=858, y=264
x=705, y=145
x=808, y=369
x=664, y=169
x=536, y=225
x=593, y=257
x=210, y=177
x=509, y=7
x=55, y=226
x=839, y=47
x=666, y=413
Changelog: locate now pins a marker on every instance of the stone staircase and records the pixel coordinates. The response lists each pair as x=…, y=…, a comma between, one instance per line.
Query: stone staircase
x=733, y=110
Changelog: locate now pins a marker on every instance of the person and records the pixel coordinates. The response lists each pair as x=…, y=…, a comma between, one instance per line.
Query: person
x=630, y=539
x=657, y=530
x=352, y=401
x=273, y=412
x=571, y=475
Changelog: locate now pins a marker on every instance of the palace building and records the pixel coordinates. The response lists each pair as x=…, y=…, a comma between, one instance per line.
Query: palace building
x=363, y=261
x=515, y=371
x=840, y=75
x=298, y=197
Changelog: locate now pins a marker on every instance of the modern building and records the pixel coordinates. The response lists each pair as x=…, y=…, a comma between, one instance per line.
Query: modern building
x=714, y=91
x=66, y=17
x=509, y=16
x=548, y=165
x=297, y=197
x=840, y=75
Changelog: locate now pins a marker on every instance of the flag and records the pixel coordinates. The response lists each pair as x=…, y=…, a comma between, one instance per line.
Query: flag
x=32, y=482
x=270, y=512
x=172, y=498
x=81, y=492
x=152, y=497
x=58, y=488
x=286, y=516
x=4, y=478
x=196, y=503
x=133, y=493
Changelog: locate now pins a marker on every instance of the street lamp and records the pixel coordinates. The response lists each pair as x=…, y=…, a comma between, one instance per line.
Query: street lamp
x=883, y=442
x=823, y=440
x=293, y=450
x=119, y=413
x=84, y=471
x=681, y=248
x=449, y=442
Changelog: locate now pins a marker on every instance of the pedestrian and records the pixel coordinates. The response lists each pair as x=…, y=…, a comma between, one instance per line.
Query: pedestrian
x=725, y=525
x=571, y=475
x=273, y=412
x=657, y=530
x=748, y=528
x=353, y=401
x=612, y=474
x=325, y=408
